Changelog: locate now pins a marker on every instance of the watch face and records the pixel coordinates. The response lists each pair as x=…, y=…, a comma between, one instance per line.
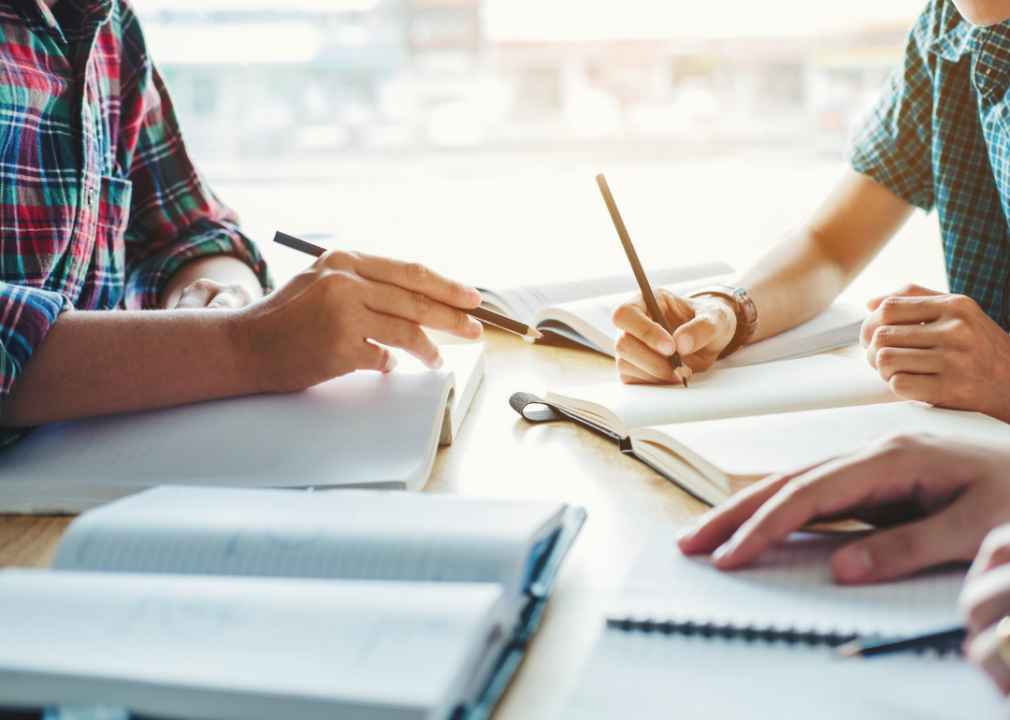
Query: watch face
x=739, y=292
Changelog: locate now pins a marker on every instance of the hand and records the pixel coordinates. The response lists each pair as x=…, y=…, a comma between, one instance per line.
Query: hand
x=948, y=495
x=337, y=316
x=940, y=349
x=211, y=295
x=985, y=600
x=702, y=328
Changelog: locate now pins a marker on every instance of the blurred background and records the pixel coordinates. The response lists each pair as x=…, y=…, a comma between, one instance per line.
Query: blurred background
x=449, y=130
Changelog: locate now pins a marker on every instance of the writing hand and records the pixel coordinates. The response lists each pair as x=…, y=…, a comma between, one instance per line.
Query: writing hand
x=947, y=494
x=343, y=313
x=985, y=600
x=702, y=328
x=941, y=349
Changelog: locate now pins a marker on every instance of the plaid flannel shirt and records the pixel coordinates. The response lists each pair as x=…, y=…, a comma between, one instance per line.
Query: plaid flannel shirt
x=940, y=137
x=99, y=201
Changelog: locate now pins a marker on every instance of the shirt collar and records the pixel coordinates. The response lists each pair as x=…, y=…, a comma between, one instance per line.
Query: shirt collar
x=956, y=43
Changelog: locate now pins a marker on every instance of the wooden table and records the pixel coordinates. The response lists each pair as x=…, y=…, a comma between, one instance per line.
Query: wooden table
x=499, y=455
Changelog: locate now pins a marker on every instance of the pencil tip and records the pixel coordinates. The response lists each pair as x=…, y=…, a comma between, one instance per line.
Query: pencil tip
x=684, y=380
x=850, y=650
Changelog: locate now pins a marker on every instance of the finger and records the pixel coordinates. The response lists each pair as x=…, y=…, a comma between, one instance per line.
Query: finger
x=374, y=357
x=636, y=353
x=983, y=652
x=414, y=277
x=633, y=319
x=198, y=295
x=398, y=333
x=986, y=599
x=945, y=537
x=910, y=290
x=878, y=474
x=902, y=311
x=696, y=336
x=904, y=336
x=994, y=552
x=641, y=376
x=717, y=525
x=231, y=297
x=421, y=310
x=924, y=388
x=891, y=361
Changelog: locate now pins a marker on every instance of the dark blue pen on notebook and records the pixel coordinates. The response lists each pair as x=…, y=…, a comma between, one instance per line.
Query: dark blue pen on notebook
x=482, y=314
x=944, y=641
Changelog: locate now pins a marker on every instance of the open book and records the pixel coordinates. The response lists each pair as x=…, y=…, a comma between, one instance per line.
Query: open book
x=229, y=603
x=580, y=311
x=365, y=429
x=757, y=643
x=625, y=412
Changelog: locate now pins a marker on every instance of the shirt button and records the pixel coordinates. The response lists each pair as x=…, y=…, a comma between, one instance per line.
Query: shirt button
x=92, y=196
x=988, y=70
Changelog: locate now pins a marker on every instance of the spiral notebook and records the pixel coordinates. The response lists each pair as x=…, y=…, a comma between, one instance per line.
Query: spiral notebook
x=757, y=643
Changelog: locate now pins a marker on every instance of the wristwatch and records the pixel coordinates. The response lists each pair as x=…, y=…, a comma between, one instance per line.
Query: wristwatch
x=746, y=314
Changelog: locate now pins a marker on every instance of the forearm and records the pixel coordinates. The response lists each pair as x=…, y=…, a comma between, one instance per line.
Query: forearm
x=224, y=269
x=801, y=275
x=98, y=363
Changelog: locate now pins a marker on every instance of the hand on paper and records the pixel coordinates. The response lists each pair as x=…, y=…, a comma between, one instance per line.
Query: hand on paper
x=343, y=313
x=946, y=494
x=702, y=328
x=985, y=600
x=941, y=349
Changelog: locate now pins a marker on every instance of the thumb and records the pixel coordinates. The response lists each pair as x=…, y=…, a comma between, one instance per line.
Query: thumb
x=910, y=290
x=907, y=549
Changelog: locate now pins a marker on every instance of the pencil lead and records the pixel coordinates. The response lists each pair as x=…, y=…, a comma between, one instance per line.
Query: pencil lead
x=684, y=380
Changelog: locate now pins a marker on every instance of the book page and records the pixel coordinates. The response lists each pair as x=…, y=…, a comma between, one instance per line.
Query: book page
x=654, y=676
x=369, y=535
x=788, y=588
x=189, y=646
x=779, y=443
x=522, y=302
x=821, y=381
x=363, y=429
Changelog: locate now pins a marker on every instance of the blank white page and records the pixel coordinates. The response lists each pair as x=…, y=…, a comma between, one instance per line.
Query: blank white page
x=652, y=676
x=789, y=587
x=373, y=535
x=188, y=646
x=362, y=429
x=778, y=443
x=815, y=382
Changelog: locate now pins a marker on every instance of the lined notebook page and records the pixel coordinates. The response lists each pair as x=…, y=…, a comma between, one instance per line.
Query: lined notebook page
x=241, y=647
x=777, y=443
x=652, y=676
x=347, y=534
x=788, y=588
x=821, y=381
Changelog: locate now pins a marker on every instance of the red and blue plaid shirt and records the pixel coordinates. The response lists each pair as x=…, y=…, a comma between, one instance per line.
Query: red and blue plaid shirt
x=99, y=202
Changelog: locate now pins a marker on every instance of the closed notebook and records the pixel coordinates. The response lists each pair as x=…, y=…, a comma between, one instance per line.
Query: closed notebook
x=758, y=643
x=381, y=580
x=366, y=429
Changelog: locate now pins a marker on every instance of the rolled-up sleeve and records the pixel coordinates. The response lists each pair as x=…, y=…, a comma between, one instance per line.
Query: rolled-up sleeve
x=892, y=144
x=174, y=216
x=26, y=314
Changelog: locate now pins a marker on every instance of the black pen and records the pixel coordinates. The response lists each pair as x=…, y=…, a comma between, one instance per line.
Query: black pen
x=943, y=641
x=643, y=282
x=484, y=315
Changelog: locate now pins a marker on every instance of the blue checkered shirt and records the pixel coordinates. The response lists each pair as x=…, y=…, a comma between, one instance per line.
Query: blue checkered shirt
x=940, y=137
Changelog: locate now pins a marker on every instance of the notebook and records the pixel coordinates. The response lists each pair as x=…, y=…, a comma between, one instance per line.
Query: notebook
x=581, y=311
x=366, y=429
x=757, y=643
x=624, y=412
x=239, y=603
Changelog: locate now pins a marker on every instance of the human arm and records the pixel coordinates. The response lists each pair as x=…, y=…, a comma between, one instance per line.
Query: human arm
x=790, y=283
x=336, y=317
x=945, y=494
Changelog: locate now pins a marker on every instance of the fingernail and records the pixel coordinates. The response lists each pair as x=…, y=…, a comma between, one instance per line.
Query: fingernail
x=853, y=563
x=724, y=551
x=439, y=362
x=666, y=347
x=473, y=297
x=390, y=364
x=686, y=533
x=476, y=327
x=685, y=344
